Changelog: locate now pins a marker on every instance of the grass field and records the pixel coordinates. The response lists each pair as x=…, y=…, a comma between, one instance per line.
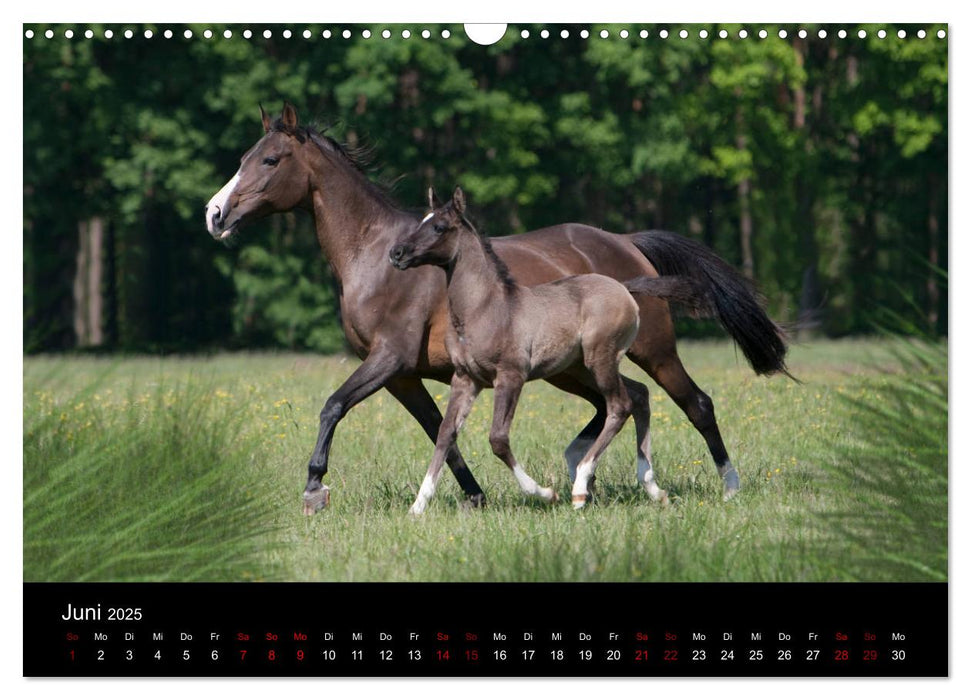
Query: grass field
x=192, y=469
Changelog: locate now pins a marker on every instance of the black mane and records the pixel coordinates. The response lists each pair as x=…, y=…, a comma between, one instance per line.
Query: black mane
x=504, y=275
x=358, y=157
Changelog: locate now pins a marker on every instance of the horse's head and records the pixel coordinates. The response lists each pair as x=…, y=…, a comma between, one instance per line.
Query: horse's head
x=273, y=176
x=435, y=241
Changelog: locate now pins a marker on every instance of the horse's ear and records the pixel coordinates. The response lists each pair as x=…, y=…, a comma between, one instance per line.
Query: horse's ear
x=289, y=116
x=266, y=119
x=433, y=201
x=458, y=201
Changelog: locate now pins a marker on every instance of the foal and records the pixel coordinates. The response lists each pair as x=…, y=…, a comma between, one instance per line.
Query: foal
x=503, y=334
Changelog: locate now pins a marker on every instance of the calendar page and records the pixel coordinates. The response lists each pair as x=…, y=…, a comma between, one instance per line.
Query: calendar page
x=417, y=349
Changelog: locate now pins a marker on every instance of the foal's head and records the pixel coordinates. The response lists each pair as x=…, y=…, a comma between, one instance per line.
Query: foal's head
x=435, y=241
x=273, y=176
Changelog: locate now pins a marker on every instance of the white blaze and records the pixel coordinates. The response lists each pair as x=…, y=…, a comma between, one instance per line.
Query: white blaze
x=220, y=202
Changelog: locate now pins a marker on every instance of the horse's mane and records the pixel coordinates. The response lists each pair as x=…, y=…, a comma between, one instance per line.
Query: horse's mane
x=504, y=275
x=358, y=157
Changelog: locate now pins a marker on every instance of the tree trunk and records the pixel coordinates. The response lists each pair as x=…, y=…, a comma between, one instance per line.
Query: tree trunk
x=744, y=202
x=88, y=299
x=810, y=312
x=745, y=227
x=745, y=216
x=933, y=257
x=111, y=309
x=710, y=212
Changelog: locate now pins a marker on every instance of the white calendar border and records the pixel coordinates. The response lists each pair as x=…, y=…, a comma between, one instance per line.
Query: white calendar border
x=179, y=11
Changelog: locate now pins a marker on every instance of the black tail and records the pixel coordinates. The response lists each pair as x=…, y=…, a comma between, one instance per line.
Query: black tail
x=721, y=292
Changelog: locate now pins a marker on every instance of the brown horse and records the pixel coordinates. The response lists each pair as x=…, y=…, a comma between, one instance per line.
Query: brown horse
x=397, y=324
x=502, y=334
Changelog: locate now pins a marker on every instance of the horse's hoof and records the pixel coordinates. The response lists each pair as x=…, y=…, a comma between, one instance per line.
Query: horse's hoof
x=469, y=505
x=315, y=501
x=579, y=500
x=555, y=498
x=476, y=501
x=663, y=499
x=732, y=484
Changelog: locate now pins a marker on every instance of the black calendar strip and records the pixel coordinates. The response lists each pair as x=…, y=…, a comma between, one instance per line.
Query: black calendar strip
x=353, y=630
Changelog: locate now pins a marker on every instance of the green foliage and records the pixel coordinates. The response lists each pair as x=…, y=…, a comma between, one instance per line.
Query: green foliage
x=842, y=145
x=281, y=302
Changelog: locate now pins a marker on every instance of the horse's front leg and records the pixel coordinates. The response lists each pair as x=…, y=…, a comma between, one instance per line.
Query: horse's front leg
x=374, y=372
x=460, y=400
x=411, y=393
x=507, y=390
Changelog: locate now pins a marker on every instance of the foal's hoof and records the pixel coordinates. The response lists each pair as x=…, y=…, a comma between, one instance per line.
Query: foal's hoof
x=662, y=498
x=555, y=498
x=547, y=494
x=315, y=501
x=579, y=500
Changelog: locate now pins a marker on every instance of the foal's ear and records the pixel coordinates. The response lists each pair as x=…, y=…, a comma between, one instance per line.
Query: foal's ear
x=266, y=119
x=433, y=200
x=458, y=201
x=289, y=116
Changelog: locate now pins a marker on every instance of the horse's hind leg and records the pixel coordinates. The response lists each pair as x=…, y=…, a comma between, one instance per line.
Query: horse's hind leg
x=605, y=375
x=670, y=374
x=640, y=411
x=507, y=390
x=641, y=407
x=581, y=443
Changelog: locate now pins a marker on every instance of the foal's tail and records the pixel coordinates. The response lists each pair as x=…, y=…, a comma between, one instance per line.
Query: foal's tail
x=708, y=286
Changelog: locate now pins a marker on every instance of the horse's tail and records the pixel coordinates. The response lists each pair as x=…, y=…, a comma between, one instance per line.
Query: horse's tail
x=681, y=292
x=715, y=289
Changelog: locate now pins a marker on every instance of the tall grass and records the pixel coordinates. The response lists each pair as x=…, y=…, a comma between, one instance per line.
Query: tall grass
x=892, y=464
x=193, y=468
x=141, y=486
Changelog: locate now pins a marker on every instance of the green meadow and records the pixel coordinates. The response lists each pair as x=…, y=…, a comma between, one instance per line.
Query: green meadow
x=192, y=469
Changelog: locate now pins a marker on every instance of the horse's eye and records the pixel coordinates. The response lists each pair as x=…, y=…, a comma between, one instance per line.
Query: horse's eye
x=270, y=160
x=440, y=227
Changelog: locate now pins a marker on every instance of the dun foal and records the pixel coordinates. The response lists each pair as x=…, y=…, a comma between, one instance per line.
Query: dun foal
x=503, y=334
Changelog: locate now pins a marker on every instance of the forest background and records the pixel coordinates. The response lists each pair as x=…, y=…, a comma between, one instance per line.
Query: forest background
x=817, y=165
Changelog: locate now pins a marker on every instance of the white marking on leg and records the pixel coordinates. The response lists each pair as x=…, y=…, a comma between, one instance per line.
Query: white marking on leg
x=220, y=202
x=425, y=494
x=585, y=471
x=529, y=485
x=576, y=451
x=645, y=477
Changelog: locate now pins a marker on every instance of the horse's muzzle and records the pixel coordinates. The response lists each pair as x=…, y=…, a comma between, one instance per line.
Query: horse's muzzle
x=216, y=222
x=397, y=256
